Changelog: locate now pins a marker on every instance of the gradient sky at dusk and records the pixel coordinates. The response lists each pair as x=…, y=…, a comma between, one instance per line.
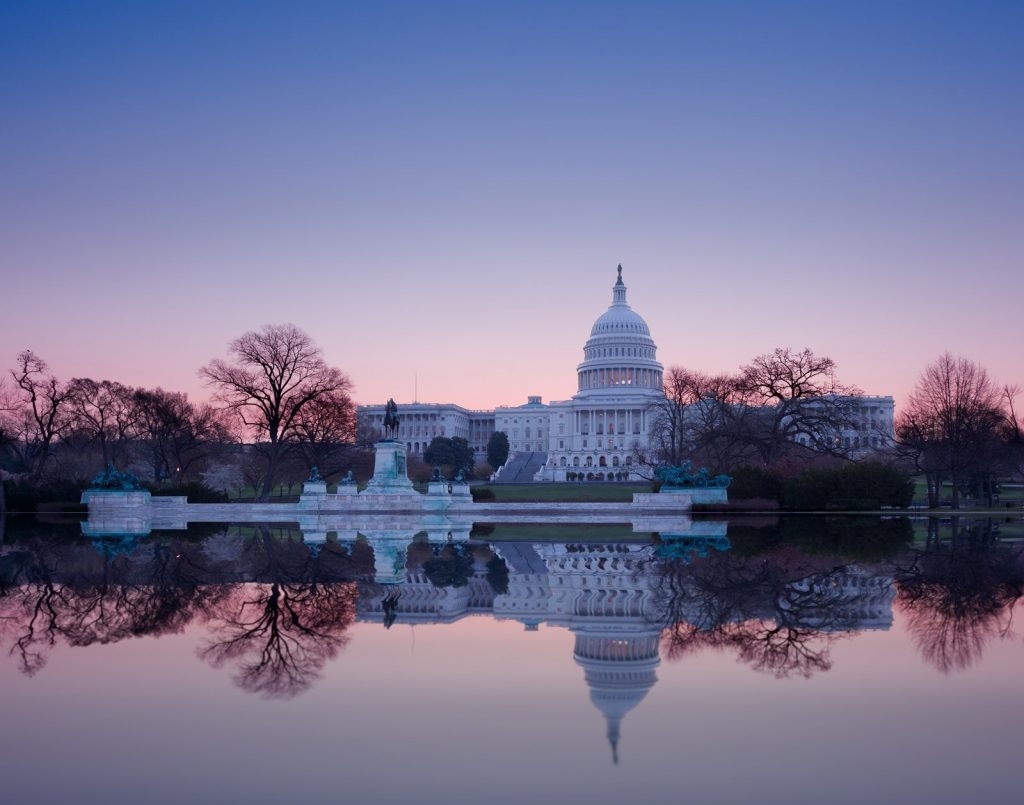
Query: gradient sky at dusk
x=444, y=189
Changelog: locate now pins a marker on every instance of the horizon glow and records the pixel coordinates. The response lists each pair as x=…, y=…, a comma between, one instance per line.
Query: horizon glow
x=439, y=194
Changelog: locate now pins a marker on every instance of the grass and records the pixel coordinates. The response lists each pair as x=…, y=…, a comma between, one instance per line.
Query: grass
x=1010, y=492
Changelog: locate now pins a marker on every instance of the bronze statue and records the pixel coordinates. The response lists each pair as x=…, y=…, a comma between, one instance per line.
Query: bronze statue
x=391, y=420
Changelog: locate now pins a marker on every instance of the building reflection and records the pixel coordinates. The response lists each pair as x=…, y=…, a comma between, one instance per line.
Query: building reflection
x=278, y=604
x=622, y=601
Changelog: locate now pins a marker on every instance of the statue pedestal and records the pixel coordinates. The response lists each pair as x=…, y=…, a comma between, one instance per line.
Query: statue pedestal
x=116, y=498
x=437, y=488
x=461, y=491
x=313, y=493
x=347, y=489
x=390, y=476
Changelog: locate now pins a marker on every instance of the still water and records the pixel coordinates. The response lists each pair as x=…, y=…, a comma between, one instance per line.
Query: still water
x=794, y=660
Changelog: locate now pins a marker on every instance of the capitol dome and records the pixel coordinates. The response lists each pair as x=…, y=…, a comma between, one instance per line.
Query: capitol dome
x=619, y=668
x=620, y=355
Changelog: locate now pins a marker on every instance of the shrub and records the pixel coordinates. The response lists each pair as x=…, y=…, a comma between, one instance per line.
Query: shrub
x=452, y=567
x=195, y=491
x=497, y=448
x=856, y=487
x=483, y=472
x=27, y=496
x=754, y=482
x=497, y=575
x=482, y=493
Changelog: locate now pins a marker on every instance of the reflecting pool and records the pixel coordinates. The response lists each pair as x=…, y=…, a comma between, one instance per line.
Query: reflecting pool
x=765, y=659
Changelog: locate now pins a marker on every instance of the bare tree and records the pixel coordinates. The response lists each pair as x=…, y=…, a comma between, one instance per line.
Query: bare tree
x=8, y=436
x=1013, y=430
x=104, y=413
x=782, y=403
x=45, y=408
x=950, y=423
x=798, y=400
x=696, y=419
x=276, y=372
x=326, y=433
x=177, y=434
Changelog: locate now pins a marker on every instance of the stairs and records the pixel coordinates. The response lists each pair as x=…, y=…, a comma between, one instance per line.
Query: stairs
x=521, y=468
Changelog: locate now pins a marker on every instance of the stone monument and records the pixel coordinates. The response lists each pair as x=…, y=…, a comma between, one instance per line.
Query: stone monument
x=390, y=472
x=347, y=485
x=314, y=489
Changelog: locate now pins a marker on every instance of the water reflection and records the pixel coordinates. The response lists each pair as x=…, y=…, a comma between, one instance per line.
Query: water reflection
x=780, y=612
x=959, y=593
x=276, y=605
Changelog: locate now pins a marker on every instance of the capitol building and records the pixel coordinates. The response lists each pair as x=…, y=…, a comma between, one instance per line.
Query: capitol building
x=600, y=429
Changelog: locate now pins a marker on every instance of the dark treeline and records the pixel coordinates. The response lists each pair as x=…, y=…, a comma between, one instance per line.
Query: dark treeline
x=277, y=410
x=788, y=429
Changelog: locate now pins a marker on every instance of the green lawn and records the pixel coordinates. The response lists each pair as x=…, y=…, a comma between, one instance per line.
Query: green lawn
x=1010, y=492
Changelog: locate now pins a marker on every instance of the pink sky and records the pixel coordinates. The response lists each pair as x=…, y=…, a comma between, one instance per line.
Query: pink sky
x=446, y=196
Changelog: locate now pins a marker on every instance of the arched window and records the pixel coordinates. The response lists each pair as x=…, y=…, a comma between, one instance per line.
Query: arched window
x=601, y=462
x=575, y=461
x=561, y=461
x=615, y=461
x=590, y=461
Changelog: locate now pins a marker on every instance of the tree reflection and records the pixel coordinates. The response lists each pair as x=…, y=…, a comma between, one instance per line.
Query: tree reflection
x=279, y=633
x=279, y=636
x=780, y=612
x=959, y=594
x=75, y=595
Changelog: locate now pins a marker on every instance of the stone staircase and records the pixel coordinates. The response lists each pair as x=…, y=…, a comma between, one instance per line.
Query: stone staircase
x=521, y=467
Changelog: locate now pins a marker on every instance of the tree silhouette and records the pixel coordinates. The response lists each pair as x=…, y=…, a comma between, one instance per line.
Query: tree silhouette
x=780, y=612
x=959, y=595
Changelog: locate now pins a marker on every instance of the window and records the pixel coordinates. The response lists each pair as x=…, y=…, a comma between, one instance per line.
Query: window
x=601, y=462
x=576, y=461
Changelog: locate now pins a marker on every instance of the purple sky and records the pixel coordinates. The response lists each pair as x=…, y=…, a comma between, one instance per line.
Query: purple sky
x=444, y=190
